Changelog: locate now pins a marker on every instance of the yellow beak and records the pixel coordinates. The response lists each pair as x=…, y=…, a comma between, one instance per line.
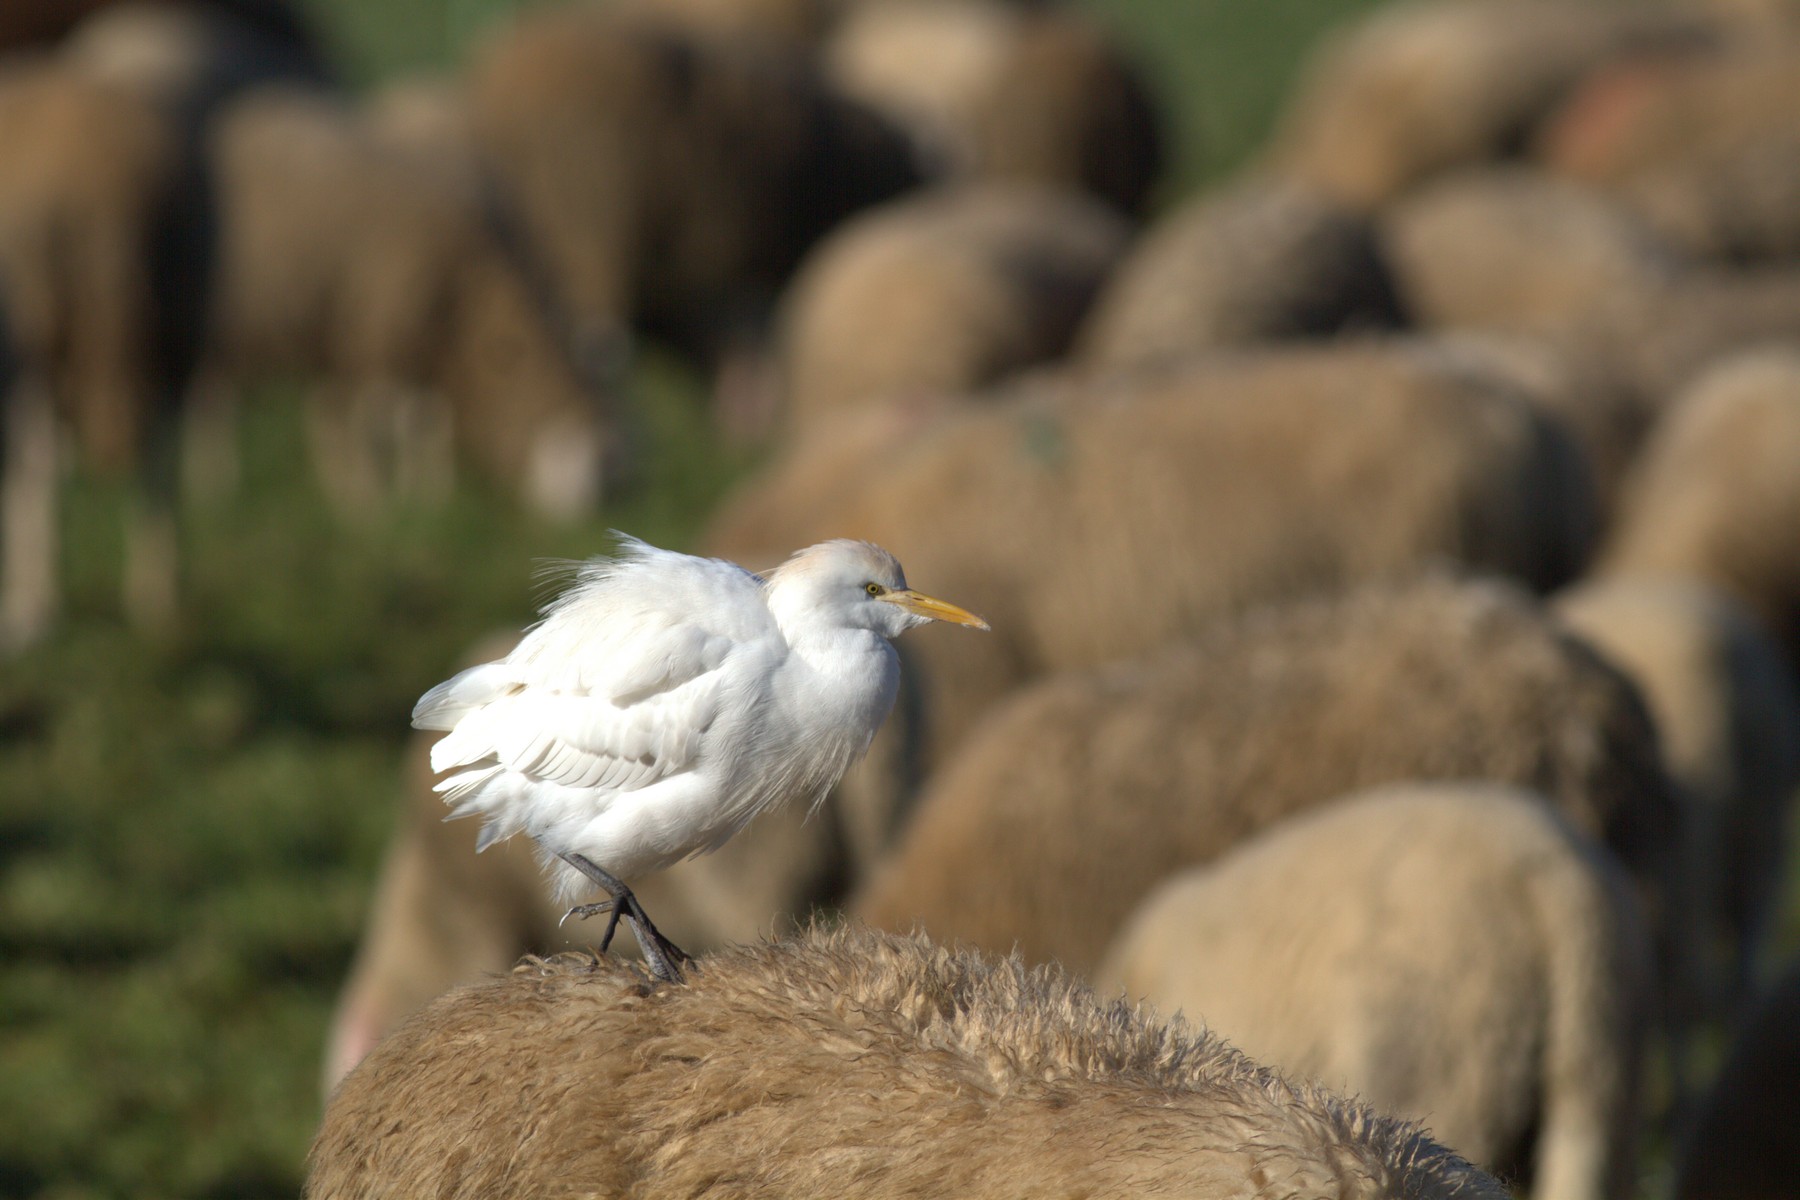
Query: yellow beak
x=936, y=610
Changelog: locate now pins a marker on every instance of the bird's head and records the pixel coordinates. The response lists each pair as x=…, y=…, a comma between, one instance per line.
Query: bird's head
x=856, y=585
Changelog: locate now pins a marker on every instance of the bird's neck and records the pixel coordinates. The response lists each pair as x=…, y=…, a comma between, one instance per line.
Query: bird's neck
x=855, y=671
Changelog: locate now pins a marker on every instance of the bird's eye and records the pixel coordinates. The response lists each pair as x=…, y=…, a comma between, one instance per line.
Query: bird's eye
x=874, y=589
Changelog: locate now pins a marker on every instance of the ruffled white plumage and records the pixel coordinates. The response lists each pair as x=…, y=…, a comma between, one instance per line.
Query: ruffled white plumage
x=664, y=700
x=614, y=691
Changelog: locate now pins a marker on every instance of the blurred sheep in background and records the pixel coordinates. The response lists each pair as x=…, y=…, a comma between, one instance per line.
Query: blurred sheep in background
x=1576, y=386
x=991, y=89
x=1728, y=716
x=1701, y=145
x=1451, y=953
x=106, y=218
x=666, y=183
x=1094, y=518
x=1076, y=797
x=1259, y=260
x=340, y=261
x=91, y=185
x=841, y=1062
x=1510, y=248
x=1420, y=86
x=1715, y=496
x=944, y=291
x=426, y=120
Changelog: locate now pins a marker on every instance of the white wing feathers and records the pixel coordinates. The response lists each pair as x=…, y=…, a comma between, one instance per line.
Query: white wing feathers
x=612, y=692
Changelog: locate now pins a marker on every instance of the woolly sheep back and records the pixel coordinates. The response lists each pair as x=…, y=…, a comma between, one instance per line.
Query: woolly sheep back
x=839, y=1063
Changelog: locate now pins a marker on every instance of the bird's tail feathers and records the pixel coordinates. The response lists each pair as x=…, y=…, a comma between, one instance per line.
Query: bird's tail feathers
x=476, y=792
x=452, y=700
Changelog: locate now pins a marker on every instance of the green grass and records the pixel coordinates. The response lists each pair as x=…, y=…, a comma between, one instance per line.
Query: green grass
x=189, y=827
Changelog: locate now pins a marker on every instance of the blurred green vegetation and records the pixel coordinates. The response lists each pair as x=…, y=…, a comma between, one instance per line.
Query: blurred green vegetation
x=189, y=828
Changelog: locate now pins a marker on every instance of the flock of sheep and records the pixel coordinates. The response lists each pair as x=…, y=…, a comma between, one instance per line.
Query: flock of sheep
x=1393, y=555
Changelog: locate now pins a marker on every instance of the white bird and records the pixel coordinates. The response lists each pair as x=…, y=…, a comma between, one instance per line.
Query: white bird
x=665, y=700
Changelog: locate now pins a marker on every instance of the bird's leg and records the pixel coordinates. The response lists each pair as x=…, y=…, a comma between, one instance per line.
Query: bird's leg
x=664, y=957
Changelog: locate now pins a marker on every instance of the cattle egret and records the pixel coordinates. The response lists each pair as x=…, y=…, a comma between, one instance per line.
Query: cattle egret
x=665, y=700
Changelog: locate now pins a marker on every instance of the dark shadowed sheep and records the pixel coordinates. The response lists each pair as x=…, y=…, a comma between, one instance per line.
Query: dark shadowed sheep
x=1083, y=791
x=1577, y=385
x=669, y=182
x=1453, y=953
x=1026, y=92
x=1741, y=1143
x=1728, y=718
x=844, y=1063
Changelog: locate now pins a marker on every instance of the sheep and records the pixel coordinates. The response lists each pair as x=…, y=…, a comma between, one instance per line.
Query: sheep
x=840, y=1063
x=34, y=22
x=1091, y=518
x=1081, y=792
x=1260, y=259
x=1714, y=496
x=1660, y=342
x=88, y=198
x=1452, y=953
x=667, y=183
x=1728, y=717
x=1066, y=514
x=1701, y=145
x=1776, y=16
x=1517, y=249
x=1581, y=388
x=1415, y=88
x=1010, y=91
x=339, y=259
x=944, y=291
x=426, y=120
x=106, y=259
x=1740, y=1145
x=192, y=57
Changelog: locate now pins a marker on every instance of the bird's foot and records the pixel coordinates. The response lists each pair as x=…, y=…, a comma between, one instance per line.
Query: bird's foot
x=584, y=911
x=664, y=958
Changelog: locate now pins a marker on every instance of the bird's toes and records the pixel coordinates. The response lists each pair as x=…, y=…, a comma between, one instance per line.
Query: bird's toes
x=584, y=911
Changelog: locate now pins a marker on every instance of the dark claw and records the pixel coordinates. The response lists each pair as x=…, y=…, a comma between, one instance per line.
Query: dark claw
x=664, y=958
x=584, y=911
